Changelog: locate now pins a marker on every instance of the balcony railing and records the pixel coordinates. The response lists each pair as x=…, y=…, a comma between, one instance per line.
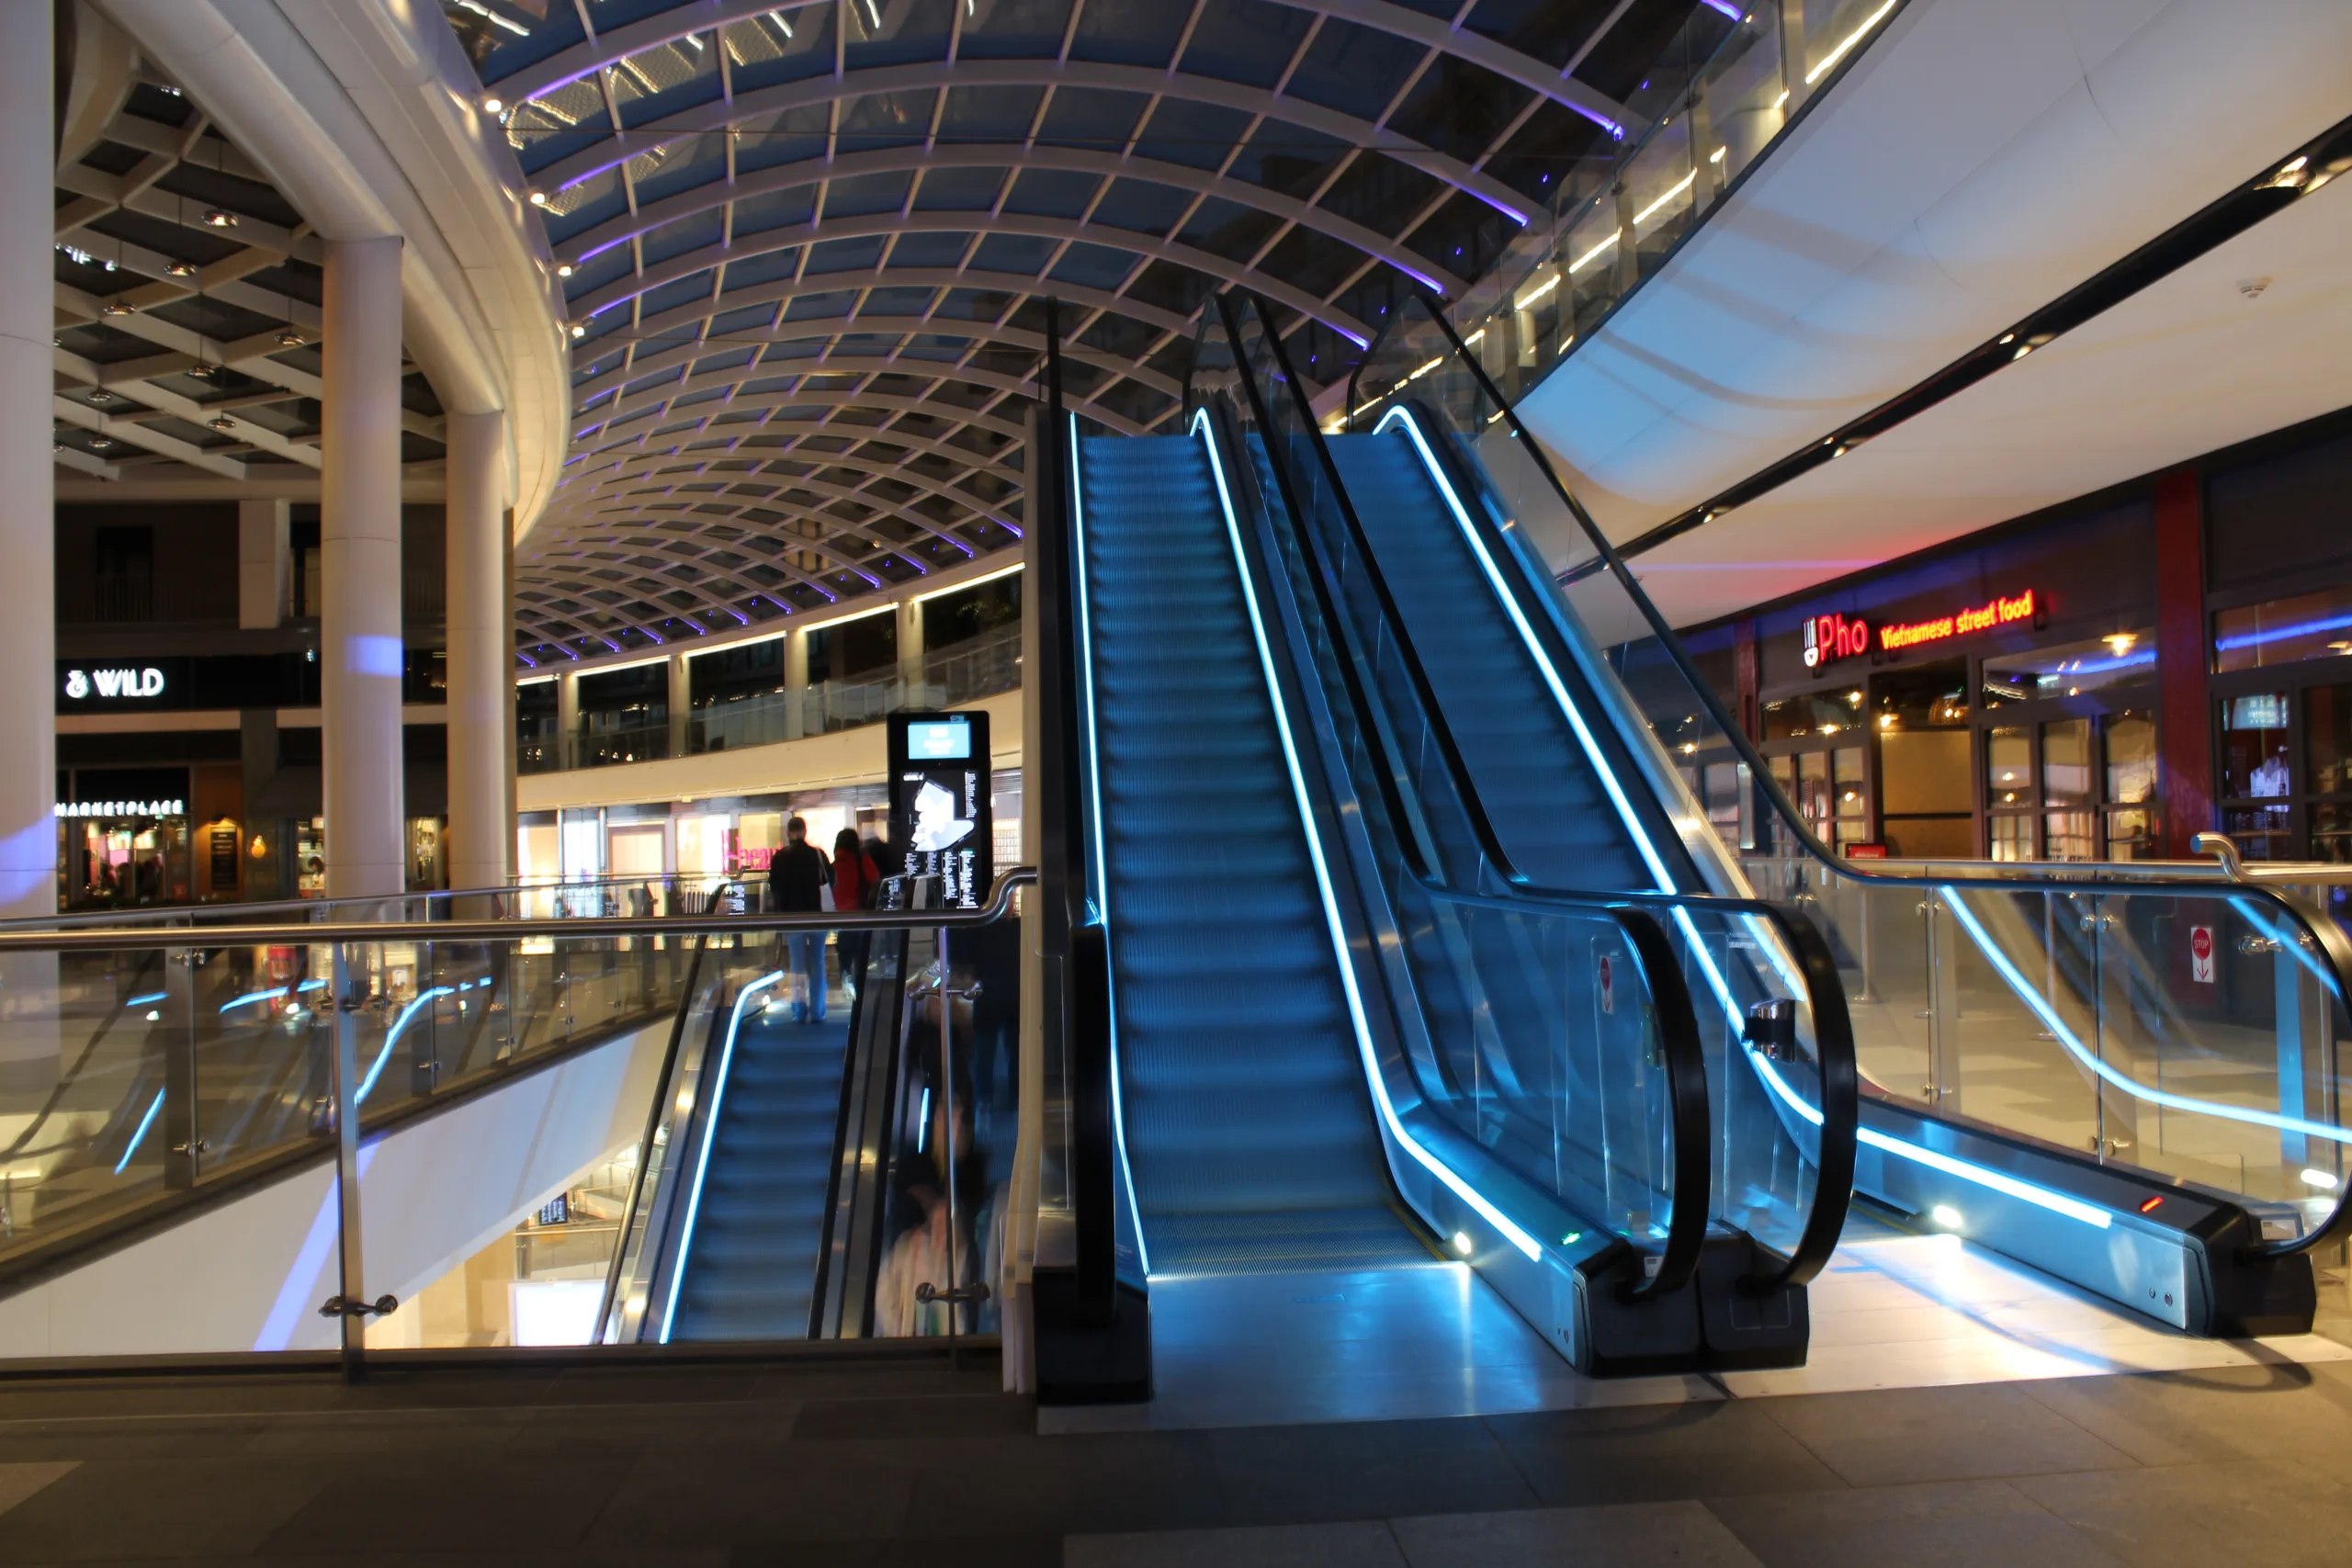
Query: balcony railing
x=1719, y=101
x=962, y=673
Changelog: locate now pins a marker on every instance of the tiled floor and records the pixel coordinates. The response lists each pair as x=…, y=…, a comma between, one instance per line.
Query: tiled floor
x=907, y=1464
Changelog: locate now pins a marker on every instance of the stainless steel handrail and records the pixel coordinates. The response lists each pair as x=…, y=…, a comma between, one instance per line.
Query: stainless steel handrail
x=145, y=937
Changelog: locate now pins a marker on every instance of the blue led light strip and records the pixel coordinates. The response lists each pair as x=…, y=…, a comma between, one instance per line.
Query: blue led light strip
x=1967, y=1170
x=140, y=1136
x=1094, y=805
x=2075, y=1047
x=269, y=996
x=1437, y=1167
x=422, y=1000
x=709, y=1136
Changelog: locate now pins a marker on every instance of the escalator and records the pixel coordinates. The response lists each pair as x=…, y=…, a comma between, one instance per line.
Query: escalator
x=1307, y=1027
x=2090, y=1106
x=1248, y=1131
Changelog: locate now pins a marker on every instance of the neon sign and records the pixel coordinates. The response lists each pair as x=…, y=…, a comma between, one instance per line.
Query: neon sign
x=1994, y=612
x=122, y=809
x=81, y=684
x=1833, y=637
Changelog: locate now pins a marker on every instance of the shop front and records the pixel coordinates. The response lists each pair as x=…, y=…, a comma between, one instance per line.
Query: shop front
x=2098, y=683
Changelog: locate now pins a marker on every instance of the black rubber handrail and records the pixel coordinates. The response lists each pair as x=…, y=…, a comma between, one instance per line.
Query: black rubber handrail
x=2322, y=932
x=1686, y=1109
x=1482, y=828
x=1677, y=1018
x=1825, y=998
x=1076, y=944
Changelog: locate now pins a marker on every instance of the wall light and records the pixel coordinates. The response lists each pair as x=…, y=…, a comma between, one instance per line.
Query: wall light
x=1945, y=1215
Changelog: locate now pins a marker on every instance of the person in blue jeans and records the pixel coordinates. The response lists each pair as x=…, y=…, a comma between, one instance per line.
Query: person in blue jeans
x=798, y=876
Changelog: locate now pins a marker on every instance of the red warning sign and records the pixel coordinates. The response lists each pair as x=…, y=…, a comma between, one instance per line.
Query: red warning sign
x=2200, y=954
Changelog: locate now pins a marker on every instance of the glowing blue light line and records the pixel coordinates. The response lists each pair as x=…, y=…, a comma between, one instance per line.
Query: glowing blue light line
x=2066, y=1037
x=394, y=1038
x=1094, y=798
x=710, y=1135
x=140, y=1136
x=2279, y=634
x=311, y=986
x=1967, y=1170
x=269, y=996
x=1437, y=1167
x=1397, y=415
x=141, y=1001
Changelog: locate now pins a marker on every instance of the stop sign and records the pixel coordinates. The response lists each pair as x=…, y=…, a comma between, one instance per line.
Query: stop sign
x=2200, y=954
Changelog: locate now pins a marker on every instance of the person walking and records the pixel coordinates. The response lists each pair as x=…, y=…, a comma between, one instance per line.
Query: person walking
x=798, y=879
x=854, y=879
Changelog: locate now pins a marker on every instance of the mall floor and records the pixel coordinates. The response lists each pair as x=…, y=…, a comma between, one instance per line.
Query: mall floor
x=912, y=1462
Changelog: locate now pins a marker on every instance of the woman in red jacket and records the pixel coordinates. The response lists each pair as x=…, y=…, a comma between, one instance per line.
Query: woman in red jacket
x=854, y=874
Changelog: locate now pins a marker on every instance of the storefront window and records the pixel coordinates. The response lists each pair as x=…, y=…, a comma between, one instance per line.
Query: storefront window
x=2066, y=776
x=2070, y=670
x=1795, y=719
x=2281, y=631
x=2129, y=744
x=2253, y=745
x=2009, y=765
x=2327, y=730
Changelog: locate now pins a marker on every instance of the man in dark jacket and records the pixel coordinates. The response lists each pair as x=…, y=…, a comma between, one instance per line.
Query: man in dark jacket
x=798, y=876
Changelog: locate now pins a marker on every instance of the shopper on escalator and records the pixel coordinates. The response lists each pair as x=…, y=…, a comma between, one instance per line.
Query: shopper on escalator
x=854, y=879
x=797, y=882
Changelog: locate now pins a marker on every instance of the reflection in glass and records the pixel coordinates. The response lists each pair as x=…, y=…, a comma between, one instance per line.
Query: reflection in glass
x=2253, y=745
x=2066, y=762
x=2131, y=741
x=2070, y=670
x=2281, y=631
x=2009, y=765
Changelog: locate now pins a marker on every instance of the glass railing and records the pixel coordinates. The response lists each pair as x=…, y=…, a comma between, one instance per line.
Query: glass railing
x=153, y=1084
x=1718, y=96
x=2156, y=1017
x=601, y=746
x=1540, y=1026
x=961, y=672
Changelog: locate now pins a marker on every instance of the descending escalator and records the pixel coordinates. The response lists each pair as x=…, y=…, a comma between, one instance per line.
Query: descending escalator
x=2084, y=1109
x=751, y=1268
x=1249, y=1130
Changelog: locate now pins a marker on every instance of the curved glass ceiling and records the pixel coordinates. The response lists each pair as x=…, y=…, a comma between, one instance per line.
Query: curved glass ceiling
x=805, y=247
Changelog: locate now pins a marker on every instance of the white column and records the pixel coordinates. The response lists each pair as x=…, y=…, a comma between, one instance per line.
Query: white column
x=681, y=703
x=796, y=684
x=27, y=479
x=359, y=549
x=911, y=651
x=262, y=563
x=567, y=719
x=481, y=676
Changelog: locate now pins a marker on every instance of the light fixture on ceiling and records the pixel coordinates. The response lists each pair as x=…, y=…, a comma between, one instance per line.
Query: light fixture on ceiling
x=102, y=443
x=578, y=330
x=493, y=105
x=563, y=270
x=2252, y=288
x=291, y=338
x=223, y=423
x=203, y=371
x=100, y=395
x=220, y=218
x=538, y=198
x=114, y=308
x=181, y=269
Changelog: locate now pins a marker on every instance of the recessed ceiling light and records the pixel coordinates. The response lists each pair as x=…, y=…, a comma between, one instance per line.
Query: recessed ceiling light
x=493, y=105
x=290, y=338
x=181, y=269
x=114, y=308
x=564, y=270
x=224, y=423
x=220, y=218
x=538, y=198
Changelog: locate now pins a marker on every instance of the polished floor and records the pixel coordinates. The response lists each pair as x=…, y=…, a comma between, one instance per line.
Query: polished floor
x=833, y=1465
x=1893, y=1310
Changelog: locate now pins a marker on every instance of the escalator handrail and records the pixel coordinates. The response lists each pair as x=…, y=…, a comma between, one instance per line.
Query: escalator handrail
x=2323, y=932
x=1687, y=1107
x=1840, y=1068
x=1680, y=1050
x=1432, y=717
x=664, y=1098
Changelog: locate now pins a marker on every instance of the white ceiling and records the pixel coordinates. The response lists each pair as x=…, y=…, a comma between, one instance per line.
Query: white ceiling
x=1980, y=159
x=2185, y=367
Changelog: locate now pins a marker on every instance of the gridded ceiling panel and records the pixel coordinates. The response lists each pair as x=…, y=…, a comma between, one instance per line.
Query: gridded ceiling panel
x=804, y=246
